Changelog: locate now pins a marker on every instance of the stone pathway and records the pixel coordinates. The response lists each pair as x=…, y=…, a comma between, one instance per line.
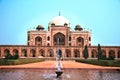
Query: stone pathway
x=65, y=64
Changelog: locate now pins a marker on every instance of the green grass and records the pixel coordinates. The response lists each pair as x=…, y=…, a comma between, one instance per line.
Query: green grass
x=19, y=61
x=112, y=63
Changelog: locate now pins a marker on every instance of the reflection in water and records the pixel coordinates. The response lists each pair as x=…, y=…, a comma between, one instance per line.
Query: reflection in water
x=38, y=74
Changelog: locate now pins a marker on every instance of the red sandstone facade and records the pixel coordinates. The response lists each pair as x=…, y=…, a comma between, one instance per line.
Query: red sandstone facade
x=45, y=43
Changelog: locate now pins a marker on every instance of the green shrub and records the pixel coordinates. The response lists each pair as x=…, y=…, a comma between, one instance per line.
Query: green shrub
x=115, y=63
x=111, y=58
x=16, y=56
x=9, y=56
x=20, y=61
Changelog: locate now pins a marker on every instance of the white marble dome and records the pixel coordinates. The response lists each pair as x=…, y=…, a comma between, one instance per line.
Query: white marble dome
x=59, y=21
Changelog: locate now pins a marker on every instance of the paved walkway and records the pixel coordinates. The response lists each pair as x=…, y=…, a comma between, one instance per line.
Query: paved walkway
x=65, y=64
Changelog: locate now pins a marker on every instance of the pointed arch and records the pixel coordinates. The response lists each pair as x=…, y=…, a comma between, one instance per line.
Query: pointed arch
x=15, y=52
x=111, y=54
x=59, y=53
x=59, y=39
x=68, y=53
x=50, y=53
x=94, y=53
x=24, y=52
x=80, y=41
x=76, y=53
x=6, y=51
x=32, y=53
x=42, y=53
x=103, y=54
x=38, y=41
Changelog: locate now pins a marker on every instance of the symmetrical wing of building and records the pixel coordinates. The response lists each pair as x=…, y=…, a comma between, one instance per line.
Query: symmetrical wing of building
x=59, y=36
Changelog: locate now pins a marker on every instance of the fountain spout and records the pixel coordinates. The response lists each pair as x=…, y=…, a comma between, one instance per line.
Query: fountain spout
x=59, y=65
x=59, y=71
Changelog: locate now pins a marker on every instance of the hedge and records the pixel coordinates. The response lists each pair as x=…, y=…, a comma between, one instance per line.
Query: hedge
x=20, y=61
x=112, y=63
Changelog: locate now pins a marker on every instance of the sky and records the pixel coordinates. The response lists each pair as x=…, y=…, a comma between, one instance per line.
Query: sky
x=102, y=17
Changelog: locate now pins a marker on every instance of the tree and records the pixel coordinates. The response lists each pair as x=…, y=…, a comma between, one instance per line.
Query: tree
x=85, y=52
x=99, y=52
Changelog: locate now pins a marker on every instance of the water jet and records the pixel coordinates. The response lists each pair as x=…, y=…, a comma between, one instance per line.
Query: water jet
x=59, y=65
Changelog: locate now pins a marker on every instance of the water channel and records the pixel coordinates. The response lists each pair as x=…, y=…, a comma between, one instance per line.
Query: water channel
x=49, y=74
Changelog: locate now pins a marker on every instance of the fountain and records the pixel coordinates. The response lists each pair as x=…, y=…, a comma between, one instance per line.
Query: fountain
x=59, y=65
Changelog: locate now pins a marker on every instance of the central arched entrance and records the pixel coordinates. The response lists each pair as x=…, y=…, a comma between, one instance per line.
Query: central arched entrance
x=59, y=53
x=59, y=39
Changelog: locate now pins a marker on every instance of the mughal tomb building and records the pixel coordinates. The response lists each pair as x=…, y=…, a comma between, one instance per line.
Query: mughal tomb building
x=45, y=43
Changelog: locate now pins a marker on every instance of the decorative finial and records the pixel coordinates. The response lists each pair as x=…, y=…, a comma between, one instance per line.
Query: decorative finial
x=59, y=13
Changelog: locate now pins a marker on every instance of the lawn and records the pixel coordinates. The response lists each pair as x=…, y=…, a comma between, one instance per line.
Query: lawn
x=112, y=63
x=19, y=61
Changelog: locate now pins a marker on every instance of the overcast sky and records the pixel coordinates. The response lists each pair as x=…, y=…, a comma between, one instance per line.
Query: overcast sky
x=100, y=16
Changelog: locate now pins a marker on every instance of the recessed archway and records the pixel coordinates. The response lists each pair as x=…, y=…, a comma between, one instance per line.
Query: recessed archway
x=59, y=39
x=6, y=51
x=103, y=54
x=76, y=53
x=59, y=53
x=118, y=54
x=24, y=53
x=32, y=53
x=111, y=54
x=50, y=53
x=68, y=53
x=38, y=41
x=15, y=52
x=80, y=41
x=94, y=53
x=42, y=53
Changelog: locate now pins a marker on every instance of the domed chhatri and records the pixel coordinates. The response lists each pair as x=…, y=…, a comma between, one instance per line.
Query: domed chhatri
x=59, y=21
x=39, y=27
x=78, y=27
